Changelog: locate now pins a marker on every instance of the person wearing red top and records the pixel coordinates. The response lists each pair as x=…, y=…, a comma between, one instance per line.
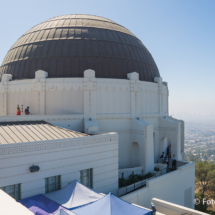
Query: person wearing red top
x=18, y=112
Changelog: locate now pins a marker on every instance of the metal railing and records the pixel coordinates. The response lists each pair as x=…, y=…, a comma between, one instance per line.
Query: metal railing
x=139, y=184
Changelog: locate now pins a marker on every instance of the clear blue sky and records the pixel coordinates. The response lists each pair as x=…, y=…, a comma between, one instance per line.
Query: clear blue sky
x=180, y=34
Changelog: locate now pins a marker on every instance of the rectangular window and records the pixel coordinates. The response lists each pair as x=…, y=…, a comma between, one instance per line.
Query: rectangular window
x=53, y=183
x=86, y=177
x=13, y=190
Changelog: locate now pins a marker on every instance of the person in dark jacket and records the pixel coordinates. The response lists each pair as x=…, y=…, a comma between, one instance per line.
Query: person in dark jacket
x=27, y=112
x=163, y=157
x=167, y=150
x=174, y=160
x=153, y=210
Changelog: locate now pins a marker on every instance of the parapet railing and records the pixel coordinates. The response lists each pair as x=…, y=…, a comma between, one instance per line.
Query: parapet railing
x=127, y=189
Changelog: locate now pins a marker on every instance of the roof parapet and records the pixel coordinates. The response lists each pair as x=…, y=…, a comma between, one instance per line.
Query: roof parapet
x=133, y=76
x=41, y=74
x=6, y=77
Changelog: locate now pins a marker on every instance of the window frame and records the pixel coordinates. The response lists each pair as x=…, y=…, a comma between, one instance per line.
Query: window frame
x=17, y=194
x=57, y=183
x=89, y=176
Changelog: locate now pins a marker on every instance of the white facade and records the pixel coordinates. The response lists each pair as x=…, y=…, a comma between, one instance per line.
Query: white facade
x=136, y=110
x=65, y=157
x=111, y=104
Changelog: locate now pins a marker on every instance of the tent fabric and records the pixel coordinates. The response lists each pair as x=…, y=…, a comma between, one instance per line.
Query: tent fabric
x=40, y=205
x=111, y=205
x=62, y=212
x=74, y=195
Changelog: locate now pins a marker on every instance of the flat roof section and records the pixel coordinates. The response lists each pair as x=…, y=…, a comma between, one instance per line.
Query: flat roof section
x=31, y=131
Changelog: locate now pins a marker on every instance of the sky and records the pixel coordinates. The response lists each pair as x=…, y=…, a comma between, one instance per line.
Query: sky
x=180, y=35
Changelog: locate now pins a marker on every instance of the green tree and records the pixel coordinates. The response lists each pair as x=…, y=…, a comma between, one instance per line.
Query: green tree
x=192, y=158
x=205, y=181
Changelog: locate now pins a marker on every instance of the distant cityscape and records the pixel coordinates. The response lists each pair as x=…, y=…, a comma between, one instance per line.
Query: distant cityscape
x=194, y=117
x=200, y=141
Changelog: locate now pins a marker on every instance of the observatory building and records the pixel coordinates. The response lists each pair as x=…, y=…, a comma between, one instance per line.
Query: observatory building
x=99, y=112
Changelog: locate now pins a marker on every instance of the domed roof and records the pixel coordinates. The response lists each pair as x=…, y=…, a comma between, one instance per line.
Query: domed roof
x=65, y=46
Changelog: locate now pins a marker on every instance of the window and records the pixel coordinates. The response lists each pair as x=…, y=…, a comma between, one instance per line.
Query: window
x=53, y=183
x=87, y=177
x=13, y=190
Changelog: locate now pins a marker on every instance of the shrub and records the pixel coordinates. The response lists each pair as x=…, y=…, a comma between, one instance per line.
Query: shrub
x=156, y=169
x=133, y=178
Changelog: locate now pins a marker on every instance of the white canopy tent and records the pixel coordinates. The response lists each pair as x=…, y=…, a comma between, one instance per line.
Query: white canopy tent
x=74, y=195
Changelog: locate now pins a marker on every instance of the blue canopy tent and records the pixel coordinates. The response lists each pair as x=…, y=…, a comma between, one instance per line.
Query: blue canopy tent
x=111, y=205
x=74, y=195
x=40, y=205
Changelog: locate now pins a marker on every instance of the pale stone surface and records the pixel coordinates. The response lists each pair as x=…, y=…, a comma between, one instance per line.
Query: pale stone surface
x=6, y=77
x=158, y=80
x=41, y=74
x=173, y=209
x=89, y=73
x=9, y=206
x=133, y=76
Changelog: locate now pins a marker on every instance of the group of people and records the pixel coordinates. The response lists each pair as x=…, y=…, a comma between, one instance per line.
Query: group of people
x=166, y=160
x=18, y=111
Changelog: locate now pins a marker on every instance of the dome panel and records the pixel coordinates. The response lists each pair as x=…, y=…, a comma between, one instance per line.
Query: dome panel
x=65, y=46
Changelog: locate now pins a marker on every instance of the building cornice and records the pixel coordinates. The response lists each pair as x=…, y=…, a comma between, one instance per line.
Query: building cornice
x=14, y=148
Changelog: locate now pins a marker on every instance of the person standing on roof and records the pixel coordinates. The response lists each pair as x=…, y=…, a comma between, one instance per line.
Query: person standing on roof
x=167, y=160
x=163, y=157
x=18, y=111
x=153, y=210
x=167, y=151
x=174, y=160
x=27, y=112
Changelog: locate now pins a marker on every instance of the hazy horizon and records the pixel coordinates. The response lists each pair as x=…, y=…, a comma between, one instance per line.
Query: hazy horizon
x=179, y=34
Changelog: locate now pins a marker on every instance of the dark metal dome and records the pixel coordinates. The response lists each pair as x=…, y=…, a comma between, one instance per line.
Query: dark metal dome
x=65, y=46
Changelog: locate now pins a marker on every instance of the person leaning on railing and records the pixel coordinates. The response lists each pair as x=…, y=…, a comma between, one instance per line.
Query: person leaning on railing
x=174, y=160
x=18, y=111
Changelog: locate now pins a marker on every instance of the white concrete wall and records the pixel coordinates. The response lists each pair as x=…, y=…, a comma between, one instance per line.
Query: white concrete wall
x=66, y=96
x=170, y=187
x=113, y=102
x=122, y=127
x=168, y=208
x=149, y=100
x=66, y=157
